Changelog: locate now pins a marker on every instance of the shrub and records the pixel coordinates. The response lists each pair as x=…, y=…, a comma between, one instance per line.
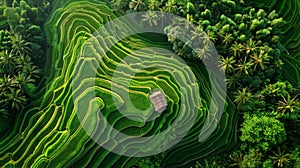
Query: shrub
x=262, y=132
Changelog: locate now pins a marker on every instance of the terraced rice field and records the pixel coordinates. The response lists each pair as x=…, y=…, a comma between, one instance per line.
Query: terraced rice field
x=51, y=134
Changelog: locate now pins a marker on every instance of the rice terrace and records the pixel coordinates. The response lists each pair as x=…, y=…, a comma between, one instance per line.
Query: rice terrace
x=149, y=83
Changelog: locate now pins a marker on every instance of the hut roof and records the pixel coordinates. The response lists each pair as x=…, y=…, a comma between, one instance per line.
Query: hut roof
x=159, y=101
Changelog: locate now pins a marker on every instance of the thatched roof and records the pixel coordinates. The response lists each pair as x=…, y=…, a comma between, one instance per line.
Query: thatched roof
x=159, y=101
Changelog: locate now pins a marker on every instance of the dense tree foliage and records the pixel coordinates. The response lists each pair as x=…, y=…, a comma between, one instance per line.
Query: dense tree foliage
x=22, y=46
x=262, y=132
x=26, y=21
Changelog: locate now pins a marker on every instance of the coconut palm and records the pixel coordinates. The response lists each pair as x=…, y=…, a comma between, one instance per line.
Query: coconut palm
x=7, y=61
x=19, y=45
x=260, y=60
x=244, y=66
x=203, y=53
x=227, y=64
x=242, y=96
x=281, y=158
x=238, y=159
x=211, y=35
x=208, y=39
x=233, y=81
x=23, y=59
x=170, y=7
x=151, y=18
x=236, y=49
x=250, y=46
x=22, y=79
x=137, y=5
x=288, y=105
x=190, y=18
x=16, y=98
x=181, y=53
x=227, y=39
x=154, y=4
x=6, y=83
x=198, y=37
x=31, y=70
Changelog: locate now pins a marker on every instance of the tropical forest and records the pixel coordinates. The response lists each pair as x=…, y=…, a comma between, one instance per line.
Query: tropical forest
x=149, y=83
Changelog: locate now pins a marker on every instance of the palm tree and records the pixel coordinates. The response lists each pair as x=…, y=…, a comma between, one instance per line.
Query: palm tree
x=150, y=18
x=203, y=53
x=198, y=37
x=21, y=80
x=23, y=60
x=19, y=45
x=236, y=49
x=260, y=60
x=170, y=7
x=233, y=81
x=181, y=53
x=238, y=159
x=190, y=19
x=242, y=96
x=250, y=46
x=227, y=39
x=227, y=64
x=7, y=61
x=288, y=105
x=208, y=39
x=16, y=99
x=6, y=83
x=244, y=66
x=30, y=70
x=211, y=36
x=280, y=158
x=137, y=5
x=154, y=4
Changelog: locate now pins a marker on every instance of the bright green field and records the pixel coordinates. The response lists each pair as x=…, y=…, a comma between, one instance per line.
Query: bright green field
x=51, y=133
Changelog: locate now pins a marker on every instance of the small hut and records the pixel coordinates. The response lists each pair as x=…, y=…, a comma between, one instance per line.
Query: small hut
x=159, y=101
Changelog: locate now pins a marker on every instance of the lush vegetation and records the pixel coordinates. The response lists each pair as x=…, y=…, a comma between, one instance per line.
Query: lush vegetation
x=21, y=54
x=259, y=46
